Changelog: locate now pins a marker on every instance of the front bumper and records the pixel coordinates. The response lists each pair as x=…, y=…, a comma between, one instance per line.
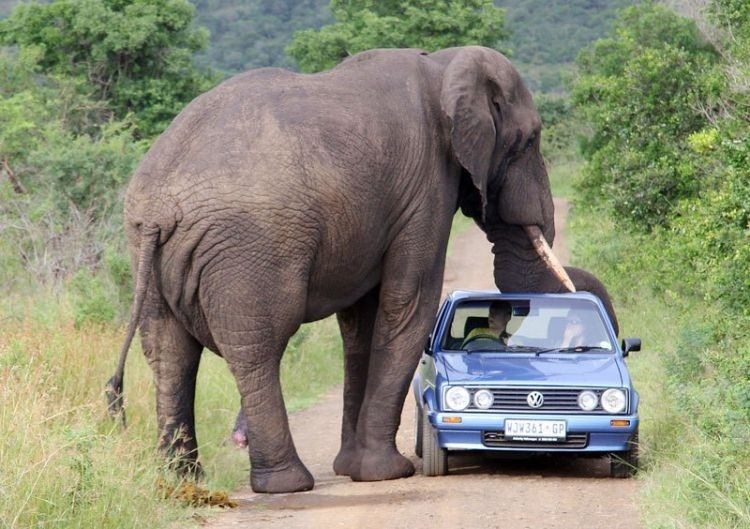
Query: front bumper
x=485, y=431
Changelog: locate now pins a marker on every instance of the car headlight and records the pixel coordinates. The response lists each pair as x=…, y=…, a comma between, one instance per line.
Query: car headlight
x=613, y=400
x=457, y=398
x=483, y=399
x=587, y=400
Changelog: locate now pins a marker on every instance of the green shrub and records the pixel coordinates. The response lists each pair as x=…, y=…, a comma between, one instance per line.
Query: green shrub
x=93, y=303
x=640, y=164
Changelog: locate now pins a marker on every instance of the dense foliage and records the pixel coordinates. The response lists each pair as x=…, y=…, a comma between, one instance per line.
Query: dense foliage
x=638, y=152
x=137, y=55
x=425, y=24
x=85, y=86
x=668, y=159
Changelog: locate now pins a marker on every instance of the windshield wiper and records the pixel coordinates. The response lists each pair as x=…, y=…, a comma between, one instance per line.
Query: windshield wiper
x=576, y=349
x=504, y=349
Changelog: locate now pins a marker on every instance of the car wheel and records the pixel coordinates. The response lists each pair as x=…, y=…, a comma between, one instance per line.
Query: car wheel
x=434, y=458
x=625, y=464
x=419, y=428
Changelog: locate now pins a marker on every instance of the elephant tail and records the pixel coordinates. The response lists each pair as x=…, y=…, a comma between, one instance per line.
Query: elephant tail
x=114, y=388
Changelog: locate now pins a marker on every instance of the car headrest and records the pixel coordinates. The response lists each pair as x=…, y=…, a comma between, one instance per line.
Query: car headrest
x=475, y=322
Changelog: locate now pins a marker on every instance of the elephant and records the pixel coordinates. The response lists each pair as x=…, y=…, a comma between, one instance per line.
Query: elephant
x=279, y=198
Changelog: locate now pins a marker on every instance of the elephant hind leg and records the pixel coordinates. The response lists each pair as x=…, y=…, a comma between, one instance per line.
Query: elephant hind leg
x=275, y=465
x=252, y=336
x=174, y=356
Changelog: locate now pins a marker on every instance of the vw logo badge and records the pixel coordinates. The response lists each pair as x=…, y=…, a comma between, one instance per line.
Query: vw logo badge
x=535, y=399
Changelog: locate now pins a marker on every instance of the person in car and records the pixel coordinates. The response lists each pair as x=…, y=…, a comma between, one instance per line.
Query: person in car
x=573, y=336
x=499, y=315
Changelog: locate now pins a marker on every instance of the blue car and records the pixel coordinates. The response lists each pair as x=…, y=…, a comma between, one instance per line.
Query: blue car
x=534, y=373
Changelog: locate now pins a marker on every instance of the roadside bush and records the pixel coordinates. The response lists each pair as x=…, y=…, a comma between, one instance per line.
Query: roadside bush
x=687, y=255
x=93, y=302
x=639, y=162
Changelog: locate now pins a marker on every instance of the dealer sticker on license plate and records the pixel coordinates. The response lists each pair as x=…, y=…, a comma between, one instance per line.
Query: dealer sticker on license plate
x=528, y=430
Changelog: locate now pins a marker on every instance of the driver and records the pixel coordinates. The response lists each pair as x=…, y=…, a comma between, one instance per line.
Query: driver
x=500, y=313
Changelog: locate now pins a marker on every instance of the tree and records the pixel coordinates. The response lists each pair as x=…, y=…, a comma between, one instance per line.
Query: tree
x=137, y=55
x=425, y=24
x=644, y=91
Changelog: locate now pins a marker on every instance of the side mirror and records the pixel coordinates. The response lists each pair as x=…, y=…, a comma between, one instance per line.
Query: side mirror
x=630, y=344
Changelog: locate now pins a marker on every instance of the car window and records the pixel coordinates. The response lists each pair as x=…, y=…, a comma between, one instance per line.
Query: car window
x=534, y=323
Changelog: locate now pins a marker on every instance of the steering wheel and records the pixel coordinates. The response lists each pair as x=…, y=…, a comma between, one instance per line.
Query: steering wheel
x=482, y=341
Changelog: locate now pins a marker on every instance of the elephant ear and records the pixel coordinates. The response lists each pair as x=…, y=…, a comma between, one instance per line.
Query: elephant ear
x=466, y=97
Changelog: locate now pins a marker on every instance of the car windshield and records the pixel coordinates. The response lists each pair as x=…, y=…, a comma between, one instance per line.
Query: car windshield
x=538, y=325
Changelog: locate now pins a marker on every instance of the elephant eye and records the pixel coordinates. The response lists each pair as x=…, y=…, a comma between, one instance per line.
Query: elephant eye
x=530, y=142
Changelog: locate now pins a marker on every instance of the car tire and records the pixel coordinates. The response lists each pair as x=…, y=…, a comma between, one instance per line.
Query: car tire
x=625, y=464
x=434, y=458
x=419, y=428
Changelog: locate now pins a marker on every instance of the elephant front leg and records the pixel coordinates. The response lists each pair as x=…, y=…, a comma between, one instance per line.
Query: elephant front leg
x=405, y=315
x=356, y=324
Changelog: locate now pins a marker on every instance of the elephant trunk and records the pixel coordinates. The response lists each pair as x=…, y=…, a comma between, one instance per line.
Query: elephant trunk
x=545, y=253
x=524, y=261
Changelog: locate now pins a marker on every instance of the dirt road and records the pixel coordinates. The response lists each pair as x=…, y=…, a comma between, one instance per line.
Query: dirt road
x=478, y=493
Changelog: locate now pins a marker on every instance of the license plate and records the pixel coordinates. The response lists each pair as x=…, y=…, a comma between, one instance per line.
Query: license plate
x=528, y=430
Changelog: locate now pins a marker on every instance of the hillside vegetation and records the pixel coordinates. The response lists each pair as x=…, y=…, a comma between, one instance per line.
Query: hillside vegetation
x=249, y=34
x=546, y=35
x=542, y=36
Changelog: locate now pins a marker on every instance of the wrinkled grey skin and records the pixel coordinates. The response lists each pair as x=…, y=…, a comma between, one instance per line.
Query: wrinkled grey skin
x=277, y=199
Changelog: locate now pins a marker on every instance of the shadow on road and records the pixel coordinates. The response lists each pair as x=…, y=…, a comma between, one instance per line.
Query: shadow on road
x=547, y=466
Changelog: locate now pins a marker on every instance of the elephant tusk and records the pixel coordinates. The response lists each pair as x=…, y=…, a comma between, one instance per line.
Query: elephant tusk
x=549, y=258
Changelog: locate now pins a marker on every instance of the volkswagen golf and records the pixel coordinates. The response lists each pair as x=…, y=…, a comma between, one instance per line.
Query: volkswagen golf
x=533, y=373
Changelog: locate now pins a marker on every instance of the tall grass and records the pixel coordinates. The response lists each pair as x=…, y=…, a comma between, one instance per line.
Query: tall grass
x=66, y=464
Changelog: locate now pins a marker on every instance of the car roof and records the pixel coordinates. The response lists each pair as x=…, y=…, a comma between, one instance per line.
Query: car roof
x=463, y=295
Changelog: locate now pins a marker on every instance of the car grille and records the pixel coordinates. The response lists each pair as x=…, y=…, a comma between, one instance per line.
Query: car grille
x=572, y=441
x=556, y=400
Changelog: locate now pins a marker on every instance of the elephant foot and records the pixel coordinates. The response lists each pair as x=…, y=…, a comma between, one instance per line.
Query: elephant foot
x=344, y=463
x=381, y=465
x=293, y=477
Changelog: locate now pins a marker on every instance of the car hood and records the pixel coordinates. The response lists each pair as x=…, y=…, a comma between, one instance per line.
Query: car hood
x=550, y=369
